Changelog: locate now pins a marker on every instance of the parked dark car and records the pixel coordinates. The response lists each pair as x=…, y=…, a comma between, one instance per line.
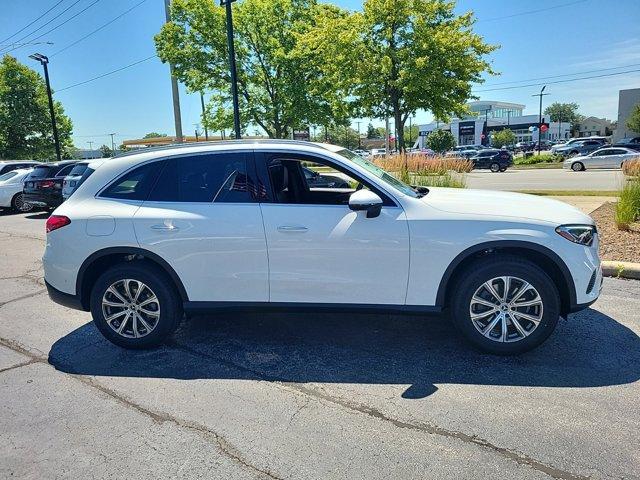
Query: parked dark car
x=632, y=143
x=10, y=165
x=544, y=145
x=315, y=179
x=43, y=186
x=493, y=159
x=581, y=147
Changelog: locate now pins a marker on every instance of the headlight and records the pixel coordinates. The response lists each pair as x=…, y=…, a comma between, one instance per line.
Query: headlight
x=581, y=234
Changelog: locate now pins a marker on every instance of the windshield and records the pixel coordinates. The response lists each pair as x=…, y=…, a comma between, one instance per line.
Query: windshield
x=380, y=173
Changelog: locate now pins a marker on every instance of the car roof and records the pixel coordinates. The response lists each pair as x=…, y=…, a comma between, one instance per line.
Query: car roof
x=10, y=162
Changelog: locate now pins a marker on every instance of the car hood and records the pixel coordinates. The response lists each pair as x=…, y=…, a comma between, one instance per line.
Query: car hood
x=504, y=204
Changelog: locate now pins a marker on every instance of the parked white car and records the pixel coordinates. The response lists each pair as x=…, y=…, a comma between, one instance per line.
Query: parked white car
x=153, y=235
x=73, y=180
x=608, y=157
x=11, y=184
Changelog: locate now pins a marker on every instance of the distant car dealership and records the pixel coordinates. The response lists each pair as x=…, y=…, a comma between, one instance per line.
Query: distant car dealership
x=491, y=116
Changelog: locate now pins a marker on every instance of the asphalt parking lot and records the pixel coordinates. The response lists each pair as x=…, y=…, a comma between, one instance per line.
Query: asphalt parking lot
x=308, y=396
x=546, y=179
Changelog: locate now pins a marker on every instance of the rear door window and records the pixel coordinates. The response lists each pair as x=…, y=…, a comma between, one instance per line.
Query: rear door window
x=206, y=178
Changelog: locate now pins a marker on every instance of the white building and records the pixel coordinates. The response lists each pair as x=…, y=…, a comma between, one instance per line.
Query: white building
x=492, y=116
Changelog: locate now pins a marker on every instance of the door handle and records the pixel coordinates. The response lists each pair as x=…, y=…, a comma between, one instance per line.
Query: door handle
x=292, y=228
x=165, y=228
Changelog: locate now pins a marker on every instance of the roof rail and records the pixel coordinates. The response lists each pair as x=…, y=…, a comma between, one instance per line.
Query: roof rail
x=177, y=146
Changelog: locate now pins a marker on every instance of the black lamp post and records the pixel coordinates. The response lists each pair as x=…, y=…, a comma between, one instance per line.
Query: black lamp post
x=541, y=94
x=232, y=66
x=44, y=61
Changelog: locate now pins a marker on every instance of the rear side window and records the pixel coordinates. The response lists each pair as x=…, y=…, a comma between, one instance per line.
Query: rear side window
x=204, y=178
x=78, y=170
x=64, y=171
x=135, y=184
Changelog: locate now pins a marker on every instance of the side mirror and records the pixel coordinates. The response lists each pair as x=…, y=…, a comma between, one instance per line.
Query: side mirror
x=366, y=200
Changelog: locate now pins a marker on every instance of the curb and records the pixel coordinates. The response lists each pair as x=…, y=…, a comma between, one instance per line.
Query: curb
x=615, y=269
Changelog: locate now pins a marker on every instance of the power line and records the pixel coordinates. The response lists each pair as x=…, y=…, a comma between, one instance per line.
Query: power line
x=45, y=24
x=97, y=29
x=29, y=24
x=61, y=24
x=529, y=12
x=105, y=74
x=556, y=81
x=563, y=75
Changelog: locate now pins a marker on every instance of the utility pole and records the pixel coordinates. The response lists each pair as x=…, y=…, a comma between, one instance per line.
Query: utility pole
x=541, y=94
x=232, y=66
x=204, y=117
x=113, y=145
x=174, y=85
x=410, y=132
x=386, y=136
x=315, y=139
x=359, y=142
x=44, y=62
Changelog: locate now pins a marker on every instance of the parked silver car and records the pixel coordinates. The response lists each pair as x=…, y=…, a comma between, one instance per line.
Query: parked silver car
x=608, y=157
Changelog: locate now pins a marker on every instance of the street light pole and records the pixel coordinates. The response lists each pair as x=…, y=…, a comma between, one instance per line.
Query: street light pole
x=541, y=94
x=359, y=143
x=113, y=145
x=44, y=62
x=204, y=117
x=232, y=66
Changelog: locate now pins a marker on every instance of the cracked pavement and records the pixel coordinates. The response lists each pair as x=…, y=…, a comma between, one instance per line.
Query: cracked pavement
x=308, y=396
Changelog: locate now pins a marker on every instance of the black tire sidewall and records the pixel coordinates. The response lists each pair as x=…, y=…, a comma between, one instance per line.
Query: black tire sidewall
x=482, y=271
x=158, y=281
x=492, y=169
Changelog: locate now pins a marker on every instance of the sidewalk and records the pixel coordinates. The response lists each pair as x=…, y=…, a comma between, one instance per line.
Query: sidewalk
x=586, y=204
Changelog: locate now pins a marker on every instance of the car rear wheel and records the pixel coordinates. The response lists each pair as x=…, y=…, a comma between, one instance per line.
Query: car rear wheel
x=19, y=205
x=495, y=167
x=577, y=167
x=505, y=305
x=135, y=306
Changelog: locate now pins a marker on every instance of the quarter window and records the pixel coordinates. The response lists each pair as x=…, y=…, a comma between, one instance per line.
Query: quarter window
x=204, y=178
x=136, y=184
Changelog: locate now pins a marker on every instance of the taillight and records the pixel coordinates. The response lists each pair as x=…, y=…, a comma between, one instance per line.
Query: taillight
x=47, y=184
x=55, y=222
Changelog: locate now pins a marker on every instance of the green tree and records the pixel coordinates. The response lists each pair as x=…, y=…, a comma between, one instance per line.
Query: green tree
x=25, y=122
x=278, y=86
x=372, y=132
x=396, y=57
x=440, y=141
x=633, y=122
x=154, y=135
x=106, y=151
x=503, y=138
x=565, y=112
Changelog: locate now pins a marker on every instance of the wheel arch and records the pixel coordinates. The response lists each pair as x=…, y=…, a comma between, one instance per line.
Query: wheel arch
x=99, y=261
x=542, y=256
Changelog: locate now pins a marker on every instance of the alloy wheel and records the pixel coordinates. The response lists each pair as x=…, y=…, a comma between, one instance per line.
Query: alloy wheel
x=506, y=309
x=130, y=308
x=21, y=205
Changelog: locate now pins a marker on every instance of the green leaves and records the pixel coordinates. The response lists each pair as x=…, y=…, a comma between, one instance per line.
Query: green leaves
x=633, y=122
x=440, y=141
x=25, y=122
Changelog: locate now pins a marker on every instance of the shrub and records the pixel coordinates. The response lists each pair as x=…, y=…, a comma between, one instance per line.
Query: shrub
x=628, y=206
x=631, y=168
x=428, y=171
x=533, y=159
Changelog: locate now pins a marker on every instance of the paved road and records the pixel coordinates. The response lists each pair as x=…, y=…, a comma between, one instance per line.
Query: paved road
x=549, y=179
x=309, y=396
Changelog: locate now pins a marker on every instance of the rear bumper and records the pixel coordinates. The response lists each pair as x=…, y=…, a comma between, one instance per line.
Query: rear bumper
x=64, y=299
x=45, y=200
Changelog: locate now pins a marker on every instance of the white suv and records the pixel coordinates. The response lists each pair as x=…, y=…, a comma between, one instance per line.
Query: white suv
x=152, y=236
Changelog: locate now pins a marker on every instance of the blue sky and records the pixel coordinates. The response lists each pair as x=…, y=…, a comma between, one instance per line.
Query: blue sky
x=555, y=38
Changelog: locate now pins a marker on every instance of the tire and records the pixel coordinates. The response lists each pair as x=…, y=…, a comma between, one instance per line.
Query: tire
x=495, y=167
x=503, y=169
x=520, y=273
x=577, y=167
x=18, y=204
x=152, y=329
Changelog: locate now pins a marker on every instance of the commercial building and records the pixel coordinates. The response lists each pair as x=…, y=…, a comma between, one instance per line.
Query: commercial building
x=492, y=116
x=593, y=126
x=627, y=99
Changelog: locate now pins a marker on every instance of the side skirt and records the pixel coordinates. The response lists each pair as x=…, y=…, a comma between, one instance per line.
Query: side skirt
x=200, y=308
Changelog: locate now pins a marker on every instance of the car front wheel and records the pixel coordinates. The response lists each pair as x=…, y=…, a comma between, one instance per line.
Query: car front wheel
x=577, y=167
x=505, y=305
x=134, y=305
x=495, y=167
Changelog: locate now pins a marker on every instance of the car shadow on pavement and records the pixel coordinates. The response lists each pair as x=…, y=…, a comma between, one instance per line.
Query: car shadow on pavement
x=38, y=215
x=589, y=350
